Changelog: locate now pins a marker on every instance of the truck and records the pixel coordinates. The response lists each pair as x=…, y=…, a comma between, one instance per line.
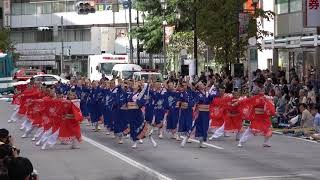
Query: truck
x=6, y=71
x=103, y=64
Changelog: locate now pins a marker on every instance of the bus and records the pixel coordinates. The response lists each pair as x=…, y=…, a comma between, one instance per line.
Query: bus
x=103, y=64
x=6, y=69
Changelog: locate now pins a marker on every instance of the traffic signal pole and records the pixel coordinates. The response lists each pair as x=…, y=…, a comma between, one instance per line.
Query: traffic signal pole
x=138, y=46
x=130, y=36
x=62, y=46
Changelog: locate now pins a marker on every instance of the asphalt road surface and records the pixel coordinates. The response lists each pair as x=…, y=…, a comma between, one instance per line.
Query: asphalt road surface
x=101, y=158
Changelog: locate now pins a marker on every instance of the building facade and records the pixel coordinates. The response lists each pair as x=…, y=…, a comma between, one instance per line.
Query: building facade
x=295, y=45
x=37, y=26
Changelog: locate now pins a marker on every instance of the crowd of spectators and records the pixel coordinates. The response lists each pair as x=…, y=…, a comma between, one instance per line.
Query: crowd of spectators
x=296, y=100
x=13, y=166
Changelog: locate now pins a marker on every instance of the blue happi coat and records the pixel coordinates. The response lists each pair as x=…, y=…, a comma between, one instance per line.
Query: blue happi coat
x=94, y=104
x=172, y=99
x=135, y=116
x=107, y=107
x=203, y=117
x=185, y=119
x=118, y=114
x=159, y=99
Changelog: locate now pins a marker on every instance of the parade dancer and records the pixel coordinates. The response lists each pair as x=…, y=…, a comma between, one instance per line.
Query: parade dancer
x=149, y=105
x=232, y=116
x=94, y=102
x=216, y=111
x=33, y=112
x=84, y=94
x=202, y=117
x=71, y=118
x=186, y=110
x=159, y=97
x=119, y=111
x=260, y=108
x=107, y=106
x=138, y=126
x=25, y=106
x=173, y=110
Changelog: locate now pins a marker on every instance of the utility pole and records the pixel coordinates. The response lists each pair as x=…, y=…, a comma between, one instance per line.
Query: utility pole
x=239, y=2
x=138, y=46
x=130, y=36
x=62, y=46
x=195, y=38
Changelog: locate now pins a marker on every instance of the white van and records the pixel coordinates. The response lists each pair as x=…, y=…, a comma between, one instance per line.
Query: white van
x=146, y=75
x=125, y=71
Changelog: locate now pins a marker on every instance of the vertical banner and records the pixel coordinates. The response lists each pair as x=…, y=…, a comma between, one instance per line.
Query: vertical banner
x=6, y=13
x=312, y=13
x=169, y=30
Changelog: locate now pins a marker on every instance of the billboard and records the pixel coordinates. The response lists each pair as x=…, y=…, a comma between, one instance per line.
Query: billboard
x=312, y=13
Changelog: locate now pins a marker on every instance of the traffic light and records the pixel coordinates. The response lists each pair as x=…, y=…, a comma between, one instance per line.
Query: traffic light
x=85, y=6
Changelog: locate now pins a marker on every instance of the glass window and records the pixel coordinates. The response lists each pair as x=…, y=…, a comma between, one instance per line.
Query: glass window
x=106, y=68
x=77, y=35
x=29, y=8
x=28, y=37
x=16, y=8
x=2, y=68
x=282, y=6
x=39, y=78
x=295, y=5
x=45, y=36
x=70, y=6
x=49, y=78
x=87, y=35
x=70, y=35
x=16, y=37
x=1, y=13
x=58, y=7
x=44, y=8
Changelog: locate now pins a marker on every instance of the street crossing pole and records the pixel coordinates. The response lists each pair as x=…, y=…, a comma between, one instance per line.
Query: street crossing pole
x=130, y=36
x=62, y=46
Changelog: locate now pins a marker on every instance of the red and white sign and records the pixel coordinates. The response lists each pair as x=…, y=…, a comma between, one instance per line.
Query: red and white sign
x=169, y=30
x=6, y=7
x=313, y=13
x=114, y=58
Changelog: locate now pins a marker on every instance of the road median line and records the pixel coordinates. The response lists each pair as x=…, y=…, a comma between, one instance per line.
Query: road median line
x=127, y=159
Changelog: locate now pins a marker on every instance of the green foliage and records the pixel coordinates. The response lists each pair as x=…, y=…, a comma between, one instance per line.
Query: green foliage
x=151, y=34
x=5, y=43
x=217, y=26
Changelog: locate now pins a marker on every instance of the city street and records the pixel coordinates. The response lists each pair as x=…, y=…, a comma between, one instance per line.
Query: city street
x=101, y=158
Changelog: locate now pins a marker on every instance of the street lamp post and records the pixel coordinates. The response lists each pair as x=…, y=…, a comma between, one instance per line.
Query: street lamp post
x=195, y=37
x=164, y=23
x=130, y=28
x=138, y=45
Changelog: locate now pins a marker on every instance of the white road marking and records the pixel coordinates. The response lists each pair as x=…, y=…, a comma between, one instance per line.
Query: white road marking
x=307, y=140
x=127, y=159
x=207, y=144
x=304, y=140
x=268, y=177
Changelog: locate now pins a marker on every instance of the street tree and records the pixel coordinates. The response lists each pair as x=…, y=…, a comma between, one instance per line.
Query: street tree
x=217, y=27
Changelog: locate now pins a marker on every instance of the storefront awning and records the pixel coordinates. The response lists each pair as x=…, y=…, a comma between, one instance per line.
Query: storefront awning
x=36, y=63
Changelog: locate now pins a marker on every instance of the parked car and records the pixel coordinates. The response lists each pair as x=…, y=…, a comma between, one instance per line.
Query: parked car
x=25, y=74
x=47, y=79
x=146, y=75
x=125, y=71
